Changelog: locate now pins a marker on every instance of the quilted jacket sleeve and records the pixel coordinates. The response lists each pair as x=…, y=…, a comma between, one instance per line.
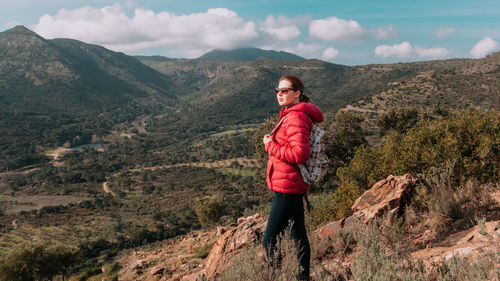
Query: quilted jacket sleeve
x=295, y=149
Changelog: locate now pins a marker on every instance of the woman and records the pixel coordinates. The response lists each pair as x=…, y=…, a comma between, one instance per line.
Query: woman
x=288, y=146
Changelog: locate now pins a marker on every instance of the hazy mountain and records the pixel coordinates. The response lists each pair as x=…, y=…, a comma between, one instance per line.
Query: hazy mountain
x=154, y=58
x=247, y=54
x=193, y=74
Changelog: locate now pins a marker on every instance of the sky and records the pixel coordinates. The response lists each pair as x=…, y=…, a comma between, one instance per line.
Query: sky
x=346, y=32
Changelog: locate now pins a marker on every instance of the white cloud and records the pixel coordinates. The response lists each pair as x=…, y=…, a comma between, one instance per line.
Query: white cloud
x=445, y=31
x=111, y=27
x=335, y=29
x=433, y=53
x=382, y=33
x=406, y=50
x=305, y=50
x=282, y=28
x=402, y=50
x=330, y=53
x=484, y=47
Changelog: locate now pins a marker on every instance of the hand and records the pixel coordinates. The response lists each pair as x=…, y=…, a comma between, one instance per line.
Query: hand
x=267, y=138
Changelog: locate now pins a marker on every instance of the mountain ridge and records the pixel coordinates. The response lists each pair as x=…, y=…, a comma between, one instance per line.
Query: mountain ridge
x=247, y=54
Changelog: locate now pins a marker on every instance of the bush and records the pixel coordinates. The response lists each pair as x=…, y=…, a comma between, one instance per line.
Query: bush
x=251, y=264
x=398, y=119
x=447, y=206
x=208, y=209
x=470, y=139
x=342, y=136
x=378, y=259
x=203, y=251
x=37, y=262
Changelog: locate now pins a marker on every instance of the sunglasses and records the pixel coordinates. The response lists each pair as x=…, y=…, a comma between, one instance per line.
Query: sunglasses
x=283, y=90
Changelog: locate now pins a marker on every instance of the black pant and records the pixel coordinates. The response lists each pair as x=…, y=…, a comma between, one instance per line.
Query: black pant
x=285, y=208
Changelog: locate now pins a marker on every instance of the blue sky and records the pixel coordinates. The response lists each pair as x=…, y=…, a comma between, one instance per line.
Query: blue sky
x=338, y=31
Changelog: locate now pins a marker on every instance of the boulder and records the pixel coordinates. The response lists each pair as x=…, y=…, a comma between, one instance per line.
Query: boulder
x=232, y=241
x=351, y=224
x=386, y=195
x=389, y=194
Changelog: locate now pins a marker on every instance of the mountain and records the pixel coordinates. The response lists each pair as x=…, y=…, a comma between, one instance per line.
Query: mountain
x=64, y=91
x=154, y=58
x=225, y=94
x=454, y=84
x=247, y=54
x=70, y=76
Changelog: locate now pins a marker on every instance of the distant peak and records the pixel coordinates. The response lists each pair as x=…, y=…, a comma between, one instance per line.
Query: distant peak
x=247, y=54
x=20, y=30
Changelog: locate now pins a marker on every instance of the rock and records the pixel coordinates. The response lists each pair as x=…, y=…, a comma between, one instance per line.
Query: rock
x=390, y=193
x=158, y=271
x=228, y=245
x=191, y=277
x=329, y=230
x=138, y=265
x=220, y=230
x=473, y=243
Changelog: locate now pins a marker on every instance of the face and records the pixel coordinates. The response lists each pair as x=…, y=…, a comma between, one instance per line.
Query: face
x=290, y=98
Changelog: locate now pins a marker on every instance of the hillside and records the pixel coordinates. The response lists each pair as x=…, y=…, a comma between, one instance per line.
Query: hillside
x=76, y=74
x=247, y=55
x=160, y=134
x=48, y=88
x=456, y=83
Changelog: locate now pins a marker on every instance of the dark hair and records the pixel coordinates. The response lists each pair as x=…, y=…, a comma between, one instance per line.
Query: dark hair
x=297, y=84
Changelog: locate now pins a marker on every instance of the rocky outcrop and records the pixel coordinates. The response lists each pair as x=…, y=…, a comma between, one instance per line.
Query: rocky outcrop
x=386, y=195
x=177, y=260
x=475, y=242
x=389, y=194
x=232, y=241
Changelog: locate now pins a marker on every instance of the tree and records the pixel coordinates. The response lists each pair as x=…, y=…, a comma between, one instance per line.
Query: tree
x=208, y=209
x=342, y=137
x=37, y=262
x=398, y=119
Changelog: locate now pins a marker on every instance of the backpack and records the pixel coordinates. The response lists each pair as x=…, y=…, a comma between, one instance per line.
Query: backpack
x=316, y=166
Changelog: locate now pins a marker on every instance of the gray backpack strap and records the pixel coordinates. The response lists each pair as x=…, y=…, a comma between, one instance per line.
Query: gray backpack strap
x=278, y=125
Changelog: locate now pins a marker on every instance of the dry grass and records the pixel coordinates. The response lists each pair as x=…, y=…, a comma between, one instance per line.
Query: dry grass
x=26, y=203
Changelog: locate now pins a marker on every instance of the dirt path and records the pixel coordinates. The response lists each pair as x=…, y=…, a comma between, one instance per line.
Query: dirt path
x=352, y=108
x=106, y=189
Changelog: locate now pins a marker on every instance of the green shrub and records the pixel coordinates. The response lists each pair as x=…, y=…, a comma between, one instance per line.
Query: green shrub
x=208, y=209
x=342, y=136
x=203, y=251
x=398, y=119
x=265, y=128
x=89, y=273
x=37, y=262
x=470, y=139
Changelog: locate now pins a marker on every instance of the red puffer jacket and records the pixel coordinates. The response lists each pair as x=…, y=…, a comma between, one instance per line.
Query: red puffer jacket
x=289, y=147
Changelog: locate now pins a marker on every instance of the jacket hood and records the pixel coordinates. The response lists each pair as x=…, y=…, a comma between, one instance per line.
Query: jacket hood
x=308, y=108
